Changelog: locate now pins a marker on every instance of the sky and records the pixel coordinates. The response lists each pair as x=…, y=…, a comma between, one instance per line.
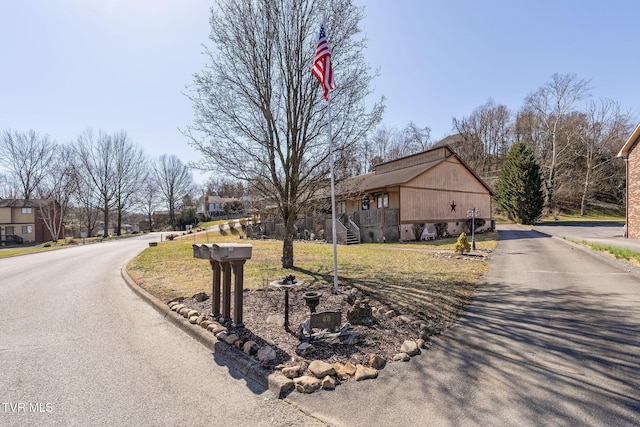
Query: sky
x=110, y=65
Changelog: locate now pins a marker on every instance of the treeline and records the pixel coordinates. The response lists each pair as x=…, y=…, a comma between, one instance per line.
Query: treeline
x=574, y=137
x=101, y=176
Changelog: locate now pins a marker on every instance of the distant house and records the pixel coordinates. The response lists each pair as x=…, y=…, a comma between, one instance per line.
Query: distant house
x=212, y=205
x=432, y=190
x=21, y=222
x=631, y=154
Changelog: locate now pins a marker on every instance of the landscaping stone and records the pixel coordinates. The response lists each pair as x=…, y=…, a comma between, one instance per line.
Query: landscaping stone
x=365, y=373
x=347, y=371
x=238, y=344
x=221, y=336
x=420, y=343
x=201, y=319
x=205, y=324
x=328, y=383
x=275, y=319
x=307, y=384
x=183, y=311
x=410, y=347
x=193, y=320
x=321, y=369
x=192, y=313
x=376, y=361
x=266, y=354
x=305, y=349
x=231, y=339
x=389, y=314
x=292, y=371
x=401, y=357
x=200, y=296
x=251, y=348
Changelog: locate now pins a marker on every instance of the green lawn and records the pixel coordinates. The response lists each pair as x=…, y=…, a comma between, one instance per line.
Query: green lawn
x=417, y=276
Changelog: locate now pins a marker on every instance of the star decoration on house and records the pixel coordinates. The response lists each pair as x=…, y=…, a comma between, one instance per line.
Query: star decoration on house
x=453, y=206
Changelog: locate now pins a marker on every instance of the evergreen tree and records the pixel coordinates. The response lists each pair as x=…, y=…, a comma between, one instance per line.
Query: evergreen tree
x=519, y=188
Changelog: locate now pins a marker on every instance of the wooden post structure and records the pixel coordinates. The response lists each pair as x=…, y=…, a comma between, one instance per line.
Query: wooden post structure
x=215, y=291
x=226, y=290
x=238, y=274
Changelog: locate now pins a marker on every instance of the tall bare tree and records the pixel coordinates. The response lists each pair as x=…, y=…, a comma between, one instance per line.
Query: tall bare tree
x=97, y=171
x=260, y=115
x=605, y=128
x=55, y=191
x=550, y=105
x=28, y=157
x=147, y=199
x=174, y=181
x=131, y=170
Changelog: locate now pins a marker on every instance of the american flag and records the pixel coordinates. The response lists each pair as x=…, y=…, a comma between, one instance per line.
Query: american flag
x=322, y=68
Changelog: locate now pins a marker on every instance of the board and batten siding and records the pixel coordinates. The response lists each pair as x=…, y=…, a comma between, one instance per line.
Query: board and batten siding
x=428, y=197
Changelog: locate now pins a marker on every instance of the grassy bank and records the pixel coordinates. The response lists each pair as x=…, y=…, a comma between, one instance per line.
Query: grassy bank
x=627, y=255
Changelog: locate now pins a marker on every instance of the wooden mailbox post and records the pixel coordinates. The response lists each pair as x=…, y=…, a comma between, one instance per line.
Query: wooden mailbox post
x=225, y=258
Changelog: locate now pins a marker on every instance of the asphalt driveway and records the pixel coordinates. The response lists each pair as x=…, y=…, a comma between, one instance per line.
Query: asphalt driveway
x=552, y=338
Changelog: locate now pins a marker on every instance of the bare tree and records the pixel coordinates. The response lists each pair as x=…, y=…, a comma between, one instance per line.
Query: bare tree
x=97, y=171
x=148, y=197
x=550, y=105
x=487, y=137
x=55, y=191
x=605, y=129
x=28, y=157
x=174, y=181
x=260, y=116
x=225, y=187
x=131, y=170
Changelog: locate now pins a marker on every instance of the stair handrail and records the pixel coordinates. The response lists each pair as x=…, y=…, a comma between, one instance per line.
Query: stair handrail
x=354, y=229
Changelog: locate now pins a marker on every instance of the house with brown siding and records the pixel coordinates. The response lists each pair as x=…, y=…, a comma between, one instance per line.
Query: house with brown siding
x=433, y=189
x=21, y=222
x=631, y=154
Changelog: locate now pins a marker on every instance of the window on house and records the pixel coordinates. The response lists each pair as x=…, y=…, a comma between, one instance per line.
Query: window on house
x=27, y=229
x=341, y=207
x=383, y=201
x=26, y=210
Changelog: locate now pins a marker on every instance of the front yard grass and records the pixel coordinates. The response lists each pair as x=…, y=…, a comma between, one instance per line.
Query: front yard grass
x=421, y=277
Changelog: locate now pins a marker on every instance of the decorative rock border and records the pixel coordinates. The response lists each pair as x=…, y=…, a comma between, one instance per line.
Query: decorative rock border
x=324, y=375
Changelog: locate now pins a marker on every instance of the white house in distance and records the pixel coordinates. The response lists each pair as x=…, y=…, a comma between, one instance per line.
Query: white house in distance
x=212, y=205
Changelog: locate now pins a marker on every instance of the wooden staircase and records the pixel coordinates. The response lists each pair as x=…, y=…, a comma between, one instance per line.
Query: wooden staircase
x=351, y=238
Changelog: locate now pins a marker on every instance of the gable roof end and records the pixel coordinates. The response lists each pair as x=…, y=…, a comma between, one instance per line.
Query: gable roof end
x=624, y=151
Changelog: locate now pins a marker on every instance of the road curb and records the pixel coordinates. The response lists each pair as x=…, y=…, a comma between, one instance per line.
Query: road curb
x=223, y=353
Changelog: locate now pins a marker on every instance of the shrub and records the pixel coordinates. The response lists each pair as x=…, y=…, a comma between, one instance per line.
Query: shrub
x=462, y=245
x=171, y=236
x=417, y=230
x=47, y=245
x=441, y=229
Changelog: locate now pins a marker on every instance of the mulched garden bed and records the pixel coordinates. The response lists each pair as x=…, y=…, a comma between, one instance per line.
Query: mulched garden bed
x=382, y=334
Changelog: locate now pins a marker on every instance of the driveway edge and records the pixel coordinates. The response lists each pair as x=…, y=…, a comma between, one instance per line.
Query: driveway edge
x=223, y=353
x=609, y=260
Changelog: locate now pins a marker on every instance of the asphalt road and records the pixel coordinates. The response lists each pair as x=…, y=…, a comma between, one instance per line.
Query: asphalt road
x=603, y=233
x=78, y=348
x=552, y=338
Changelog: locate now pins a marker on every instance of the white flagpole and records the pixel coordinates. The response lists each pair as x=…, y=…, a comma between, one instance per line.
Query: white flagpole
x=333, y=201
